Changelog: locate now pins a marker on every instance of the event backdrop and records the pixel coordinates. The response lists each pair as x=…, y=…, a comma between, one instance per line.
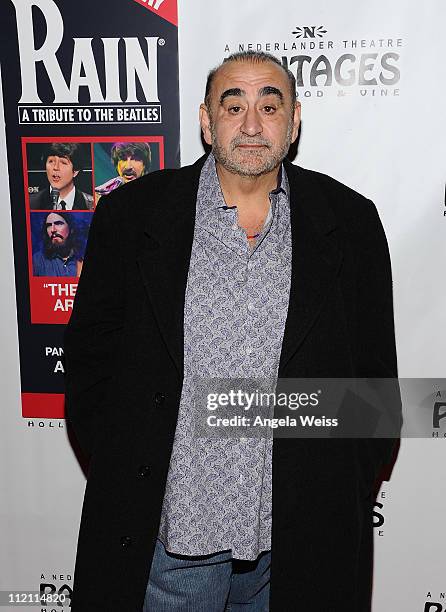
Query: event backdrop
x=101, y=77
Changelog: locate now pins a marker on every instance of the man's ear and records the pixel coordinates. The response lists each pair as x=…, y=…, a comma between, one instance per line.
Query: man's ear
x=75, y=173
x=205, y=123
x=296, y=121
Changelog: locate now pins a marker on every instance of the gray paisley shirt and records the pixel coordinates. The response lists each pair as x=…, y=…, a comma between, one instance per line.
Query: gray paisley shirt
x=218, y=492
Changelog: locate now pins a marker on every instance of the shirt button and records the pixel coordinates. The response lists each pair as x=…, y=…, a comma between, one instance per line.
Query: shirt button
x=159, y=398
x=143, y=471
x=126, y=541
x=251, y=307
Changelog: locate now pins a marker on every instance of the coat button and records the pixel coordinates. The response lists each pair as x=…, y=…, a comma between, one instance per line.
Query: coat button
x=126, y=541
x=143, y=470
x=159, y=398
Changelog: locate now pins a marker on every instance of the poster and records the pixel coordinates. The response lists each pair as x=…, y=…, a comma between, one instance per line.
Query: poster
x=91, y=102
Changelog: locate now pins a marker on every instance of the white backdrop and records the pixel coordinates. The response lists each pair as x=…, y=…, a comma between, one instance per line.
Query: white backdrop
x=391, y=149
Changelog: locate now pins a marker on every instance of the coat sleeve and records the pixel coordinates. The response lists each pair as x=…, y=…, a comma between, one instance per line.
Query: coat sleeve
x=376, y=348
x=92, y=336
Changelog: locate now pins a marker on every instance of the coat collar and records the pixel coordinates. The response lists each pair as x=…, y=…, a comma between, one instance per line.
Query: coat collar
x=165, y=256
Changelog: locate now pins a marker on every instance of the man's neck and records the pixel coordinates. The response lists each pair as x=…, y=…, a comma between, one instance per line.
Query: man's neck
x=247, y=192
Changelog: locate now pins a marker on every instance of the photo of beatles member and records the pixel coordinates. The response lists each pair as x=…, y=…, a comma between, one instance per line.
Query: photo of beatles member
x=121, y=162
x=58, y=242
x=59, y=176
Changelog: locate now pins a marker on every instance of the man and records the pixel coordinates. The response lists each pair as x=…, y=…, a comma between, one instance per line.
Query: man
x=62, y=164
x=241, y=265
x=60, y=255
x=131, y=161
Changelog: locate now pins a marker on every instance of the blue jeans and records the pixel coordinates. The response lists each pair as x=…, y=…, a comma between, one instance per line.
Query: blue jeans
x=211, y=583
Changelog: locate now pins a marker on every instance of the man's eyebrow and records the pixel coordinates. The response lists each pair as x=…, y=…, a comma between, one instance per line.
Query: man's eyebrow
x=269, y=90
x=235, y=91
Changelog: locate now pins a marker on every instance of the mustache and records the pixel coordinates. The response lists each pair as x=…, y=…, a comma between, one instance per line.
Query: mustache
x=129, y=172
x=255, y=140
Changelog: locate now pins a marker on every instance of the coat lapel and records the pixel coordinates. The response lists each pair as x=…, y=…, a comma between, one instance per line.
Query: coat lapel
x=316, y=257
x=165, y=256
x=167, y=244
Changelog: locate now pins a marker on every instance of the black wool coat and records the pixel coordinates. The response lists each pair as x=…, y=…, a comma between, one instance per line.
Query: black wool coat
x=124, y=371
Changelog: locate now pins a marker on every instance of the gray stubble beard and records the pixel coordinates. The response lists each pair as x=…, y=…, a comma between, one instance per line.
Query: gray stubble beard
x=231, y=165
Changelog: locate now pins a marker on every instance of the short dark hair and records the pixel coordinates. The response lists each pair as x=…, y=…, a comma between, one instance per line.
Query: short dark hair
x=141, y=150
x=70, y=150
x=259, y=57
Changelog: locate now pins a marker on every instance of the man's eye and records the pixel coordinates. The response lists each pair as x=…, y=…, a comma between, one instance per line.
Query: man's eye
x=269, y=109
x=234, y=109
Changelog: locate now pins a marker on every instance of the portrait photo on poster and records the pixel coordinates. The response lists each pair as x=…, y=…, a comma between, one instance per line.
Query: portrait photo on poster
x=120, y=161
x=64, y=178
x=58, y=241
x=59, y=175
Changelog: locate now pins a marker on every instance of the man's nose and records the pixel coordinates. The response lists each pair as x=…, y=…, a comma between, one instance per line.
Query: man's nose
x=56, y=164
x=252, y=124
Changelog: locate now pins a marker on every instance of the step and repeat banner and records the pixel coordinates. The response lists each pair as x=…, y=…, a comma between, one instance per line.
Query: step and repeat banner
x=92, y=94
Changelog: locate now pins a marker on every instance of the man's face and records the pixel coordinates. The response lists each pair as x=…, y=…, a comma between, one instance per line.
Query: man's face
x=130, y=168
x=60, y=172
x=250, y=123
x=57, y=228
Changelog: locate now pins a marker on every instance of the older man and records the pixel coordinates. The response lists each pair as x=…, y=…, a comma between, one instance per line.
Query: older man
x=242, y=266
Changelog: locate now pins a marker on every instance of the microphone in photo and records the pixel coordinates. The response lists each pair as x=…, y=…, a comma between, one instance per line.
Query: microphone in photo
x=54, y=197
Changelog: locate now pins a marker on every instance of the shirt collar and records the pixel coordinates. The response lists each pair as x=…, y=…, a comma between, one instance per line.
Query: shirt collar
x=68, y=199
x=281, y=183
x=57, y=256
